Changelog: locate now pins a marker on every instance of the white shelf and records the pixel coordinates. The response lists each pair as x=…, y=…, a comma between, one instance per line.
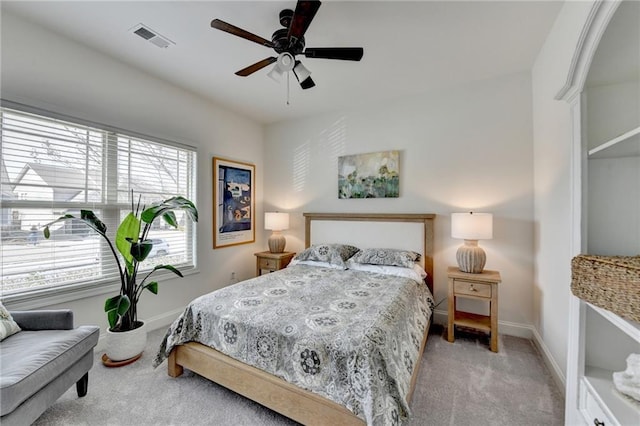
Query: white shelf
x=614, y=148
x=625, y=410
x=632, y=328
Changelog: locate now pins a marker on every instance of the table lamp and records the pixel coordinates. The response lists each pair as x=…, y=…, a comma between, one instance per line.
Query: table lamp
x=276, y=222
x=471, y=227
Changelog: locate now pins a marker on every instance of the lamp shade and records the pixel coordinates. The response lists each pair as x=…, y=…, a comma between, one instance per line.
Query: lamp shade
x=275, y=74
x=303, y=75
x=276, y=221
x=472, y=226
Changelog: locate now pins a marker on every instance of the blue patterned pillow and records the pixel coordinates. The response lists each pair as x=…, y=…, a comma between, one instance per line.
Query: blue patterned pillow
x=392, y=257
x=334, y=254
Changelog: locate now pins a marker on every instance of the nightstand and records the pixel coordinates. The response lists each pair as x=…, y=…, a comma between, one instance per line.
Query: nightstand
x=267, y=261
x=483, y=286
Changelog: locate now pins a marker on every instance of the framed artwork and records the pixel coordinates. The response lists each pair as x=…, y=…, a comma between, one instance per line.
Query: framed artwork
x=234, y=203
x=372, y=175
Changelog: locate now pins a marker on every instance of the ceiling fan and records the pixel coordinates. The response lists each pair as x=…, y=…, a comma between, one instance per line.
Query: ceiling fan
x=289, y=42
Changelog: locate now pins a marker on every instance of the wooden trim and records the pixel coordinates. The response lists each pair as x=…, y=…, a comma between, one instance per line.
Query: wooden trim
x=273, y=392
x=426, y=218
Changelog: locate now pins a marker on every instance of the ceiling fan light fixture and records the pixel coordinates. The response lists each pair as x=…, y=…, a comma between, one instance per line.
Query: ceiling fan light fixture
x=275, y=74
x=307, y=83
x=303, y=75
x=285, y=62
x=301, y=72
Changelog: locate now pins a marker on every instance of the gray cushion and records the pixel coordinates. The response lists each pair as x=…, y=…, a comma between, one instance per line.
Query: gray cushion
x=59, y=319
x=31, y=359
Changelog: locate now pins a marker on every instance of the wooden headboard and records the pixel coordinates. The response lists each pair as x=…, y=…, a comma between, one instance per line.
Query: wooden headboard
x=425, y=219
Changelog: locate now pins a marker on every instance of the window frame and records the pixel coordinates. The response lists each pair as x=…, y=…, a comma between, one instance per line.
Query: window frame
x=46, y=296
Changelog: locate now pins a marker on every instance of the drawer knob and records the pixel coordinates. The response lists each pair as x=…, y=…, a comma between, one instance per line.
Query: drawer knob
x=597, y=422
x=472, y=288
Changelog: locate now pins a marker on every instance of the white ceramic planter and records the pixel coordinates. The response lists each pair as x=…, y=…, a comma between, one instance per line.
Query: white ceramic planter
x=126, y=344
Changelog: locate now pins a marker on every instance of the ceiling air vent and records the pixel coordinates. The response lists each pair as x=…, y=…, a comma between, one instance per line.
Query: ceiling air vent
x=151, y=36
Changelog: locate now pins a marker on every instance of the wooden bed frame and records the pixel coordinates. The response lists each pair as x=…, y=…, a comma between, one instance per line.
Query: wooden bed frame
x=273, y=392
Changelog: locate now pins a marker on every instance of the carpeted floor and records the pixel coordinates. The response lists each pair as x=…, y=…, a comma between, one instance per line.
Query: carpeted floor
x=461, y=383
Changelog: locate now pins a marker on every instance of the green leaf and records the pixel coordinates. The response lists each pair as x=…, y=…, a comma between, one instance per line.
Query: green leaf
x=152, y=287
x=141, y=250
x=170, y=218
x=47, y=232
x=128, y=231
x=116, y=307
x=112, y=317
x=92, y=220
x=174, y=203
x=169, y=268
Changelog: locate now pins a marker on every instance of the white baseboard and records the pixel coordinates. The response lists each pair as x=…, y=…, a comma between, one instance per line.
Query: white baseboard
x=153, y=323
x=525, y=331
x=550, y=362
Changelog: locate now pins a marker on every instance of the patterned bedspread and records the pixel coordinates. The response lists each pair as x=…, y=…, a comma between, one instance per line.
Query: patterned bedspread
x=350, y=336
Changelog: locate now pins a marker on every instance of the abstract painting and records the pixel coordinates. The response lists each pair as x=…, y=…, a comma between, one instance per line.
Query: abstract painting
x=371, y=175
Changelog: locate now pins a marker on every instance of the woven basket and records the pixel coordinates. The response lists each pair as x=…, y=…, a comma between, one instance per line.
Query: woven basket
x=609, y=282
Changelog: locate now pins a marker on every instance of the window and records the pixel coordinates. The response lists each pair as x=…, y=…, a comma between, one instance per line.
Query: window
x=52, y=166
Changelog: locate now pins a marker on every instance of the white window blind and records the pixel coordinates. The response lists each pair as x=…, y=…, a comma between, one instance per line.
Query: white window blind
x=52, y=166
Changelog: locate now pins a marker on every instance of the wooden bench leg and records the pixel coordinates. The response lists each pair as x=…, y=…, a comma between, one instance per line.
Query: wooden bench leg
x=82, y=385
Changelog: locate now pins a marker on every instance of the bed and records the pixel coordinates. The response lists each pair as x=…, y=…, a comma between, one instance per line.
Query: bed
x=293, y=387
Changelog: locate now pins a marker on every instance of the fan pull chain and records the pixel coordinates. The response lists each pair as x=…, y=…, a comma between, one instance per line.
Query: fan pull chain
x=288, y=75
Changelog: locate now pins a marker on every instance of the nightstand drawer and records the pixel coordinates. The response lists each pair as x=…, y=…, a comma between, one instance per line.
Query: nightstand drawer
x=472, y=289
x=268, y=263
x=271, y=262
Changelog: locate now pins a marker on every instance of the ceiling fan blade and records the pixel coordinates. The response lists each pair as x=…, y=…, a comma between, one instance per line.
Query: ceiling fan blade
x=343, y=53
x=232, y=29
x=302, y=17
x=256, y=67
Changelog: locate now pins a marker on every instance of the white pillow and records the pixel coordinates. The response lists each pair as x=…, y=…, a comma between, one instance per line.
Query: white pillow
x=7, y=325
x=316, y=263
x=416, y=273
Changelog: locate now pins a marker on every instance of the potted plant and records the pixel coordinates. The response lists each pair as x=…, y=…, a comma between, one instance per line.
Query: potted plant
x=133, y=244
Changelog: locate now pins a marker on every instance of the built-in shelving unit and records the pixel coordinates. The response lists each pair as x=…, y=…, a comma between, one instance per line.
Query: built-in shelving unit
x=625, y=145
x=608, y=341
x=631, y=328
x=610, y=216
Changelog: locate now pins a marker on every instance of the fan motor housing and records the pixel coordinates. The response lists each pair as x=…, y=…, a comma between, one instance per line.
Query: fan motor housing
x=280, y=40
x=286, y=15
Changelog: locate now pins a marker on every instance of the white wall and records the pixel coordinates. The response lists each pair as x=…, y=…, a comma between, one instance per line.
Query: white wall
x=46, y=70
x=466, y=147
x=552, y=155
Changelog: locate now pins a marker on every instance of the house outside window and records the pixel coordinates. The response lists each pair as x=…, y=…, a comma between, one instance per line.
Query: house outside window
x=51, y=166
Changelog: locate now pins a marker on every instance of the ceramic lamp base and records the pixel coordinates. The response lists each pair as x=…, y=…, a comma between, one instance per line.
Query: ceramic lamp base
x=471, y=258
x=277, y=242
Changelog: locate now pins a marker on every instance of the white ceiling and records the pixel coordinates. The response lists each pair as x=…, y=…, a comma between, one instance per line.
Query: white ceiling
x=409, y=47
